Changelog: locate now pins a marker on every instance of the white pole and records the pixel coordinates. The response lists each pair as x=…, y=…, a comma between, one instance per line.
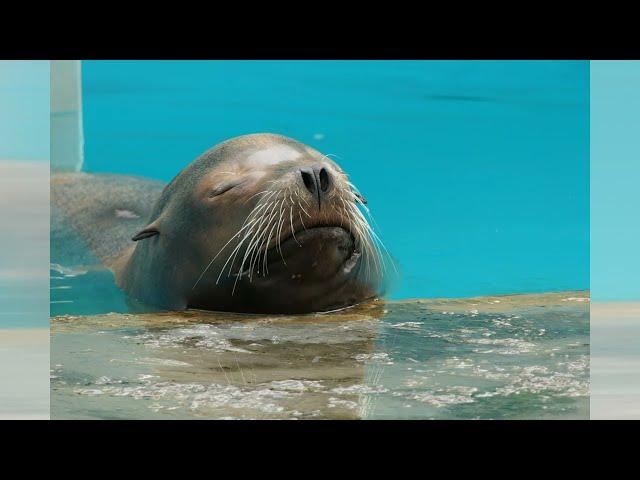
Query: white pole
x=67, y=142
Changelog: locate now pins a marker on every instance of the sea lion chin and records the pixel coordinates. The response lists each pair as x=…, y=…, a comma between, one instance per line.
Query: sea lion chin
x=260, y=223
x=310, y=273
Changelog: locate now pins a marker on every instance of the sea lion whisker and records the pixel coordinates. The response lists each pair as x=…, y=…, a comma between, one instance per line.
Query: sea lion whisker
x=305, y=202
x=343, y=215
x=252, y=250
x=244, y=258
x=236, y=250
x=265, y=269
x=279, y=235
x=252, y=244
x=357, y=195
x=375, y=235
x=363, y=223
x=264, y=192
x=240, y=271
x=365, y=240
x=333, y=207
x=258, y=245
x=358, y=200
x=276, y=224
x=300, y=205
x=233, y=254
x=346, y=213
x=293, y=233
x=328, y=155
x=364, y=244
x=279, y=232
x=379, y=242
x=373, y=239
x=254, y=212
x=266, y=201
x=216, y=256
x=257, y=209
x=258, y=251
x=355, y=189
x=300, y=215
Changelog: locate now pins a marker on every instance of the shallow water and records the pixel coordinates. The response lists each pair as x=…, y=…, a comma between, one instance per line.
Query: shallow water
x=522, y=356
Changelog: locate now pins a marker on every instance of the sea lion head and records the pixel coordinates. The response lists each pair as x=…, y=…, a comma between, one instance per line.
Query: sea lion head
x=259, y=223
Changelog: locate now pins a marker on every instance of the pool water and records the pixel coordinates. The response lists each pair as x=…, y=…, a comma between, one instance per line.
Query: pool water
x=507, y=357
x=477, y=174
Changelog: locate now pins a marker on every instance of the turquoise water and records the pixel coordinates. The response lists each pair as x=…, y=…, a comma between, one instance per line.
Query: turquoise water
x=24, y=194
x=477, y=172
x=615, y=149
x=24, y=114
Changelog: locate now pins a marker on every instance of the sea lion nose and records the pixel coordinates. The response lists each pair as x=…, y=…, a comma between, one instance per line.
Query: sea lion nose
x=317, y=180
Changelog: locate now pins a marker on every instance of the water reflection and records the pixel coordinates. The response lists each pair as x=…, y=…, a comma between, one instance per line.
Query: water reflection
x=520, y=356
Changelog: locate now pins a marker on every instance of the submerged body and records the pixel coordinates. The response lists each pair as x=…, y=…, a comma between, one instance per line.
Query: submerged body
x=259, y=223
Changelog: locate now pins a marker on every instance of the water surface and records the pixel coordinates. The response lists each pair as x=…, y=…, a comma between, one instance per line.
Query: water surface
x=508, y=357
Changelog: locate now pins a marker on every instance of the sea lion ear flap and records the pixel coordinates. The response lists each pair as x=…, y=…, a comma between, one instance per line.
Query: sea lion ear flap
x=150, y=230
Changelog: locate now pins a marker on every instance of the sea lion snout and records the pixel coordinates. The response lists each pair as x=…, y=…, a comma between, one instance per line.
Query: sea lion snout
x=318, y=181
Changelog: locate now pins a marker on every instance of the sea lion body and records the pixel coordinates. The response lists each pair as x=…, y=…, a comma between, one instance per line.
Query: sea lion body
x=260, y=223
x=93, y=216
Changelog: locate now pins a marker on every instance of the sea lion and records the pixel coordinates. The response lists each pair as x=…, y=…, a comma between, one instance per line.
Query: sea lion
x=259, y=223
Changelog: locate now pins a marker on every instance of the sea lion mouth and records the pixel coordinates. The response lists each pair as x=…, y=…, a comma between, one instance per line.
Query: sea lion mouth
x=322, y=249
x=328, y=231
